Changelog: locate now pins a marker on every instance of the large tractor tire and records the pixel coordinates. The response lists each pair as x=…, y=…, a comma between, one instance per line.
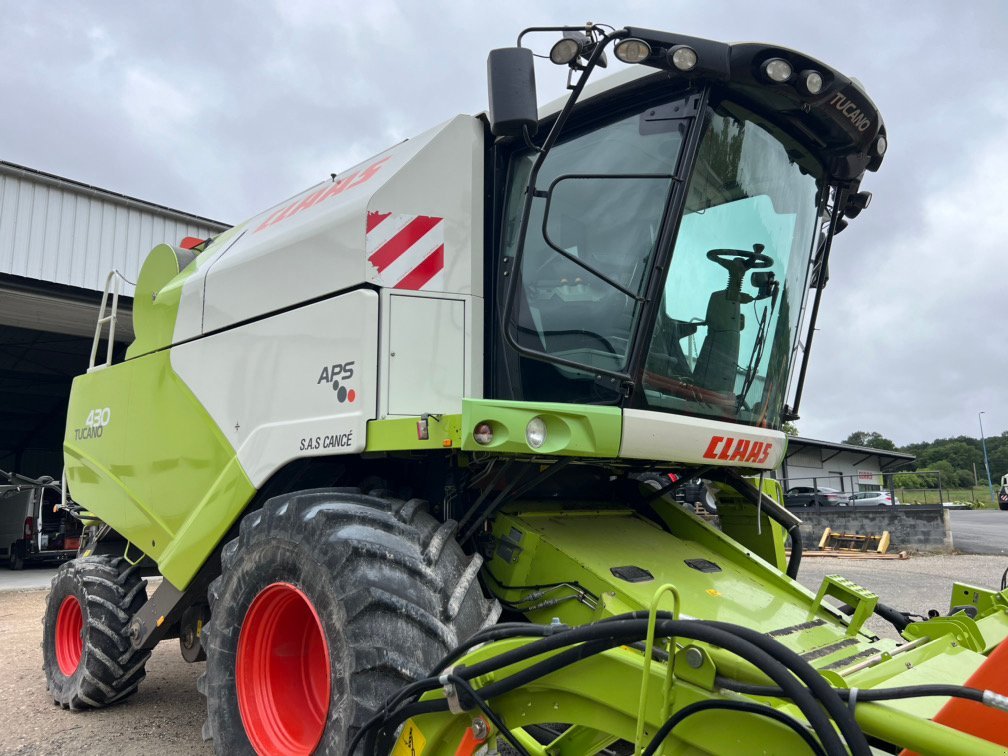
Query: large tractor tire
x=86, y=652
x=328, y=602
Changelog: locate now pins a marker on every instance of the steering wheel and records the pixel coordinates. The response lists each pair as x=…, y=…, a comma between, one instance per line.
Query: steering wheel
x=729, y=258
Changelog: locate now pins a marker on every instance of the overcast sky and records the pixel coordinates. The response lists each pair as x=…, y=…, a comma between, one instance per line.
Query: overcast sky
x=222, y=109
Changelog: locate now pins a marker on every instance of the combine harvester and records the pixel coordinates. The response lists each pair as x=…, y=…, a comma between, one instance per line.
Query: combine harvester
x=402, y=446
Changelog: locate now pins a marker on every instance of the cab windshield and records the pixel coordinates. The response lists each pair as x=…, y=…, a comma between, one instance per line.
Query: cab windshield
x=726, y=330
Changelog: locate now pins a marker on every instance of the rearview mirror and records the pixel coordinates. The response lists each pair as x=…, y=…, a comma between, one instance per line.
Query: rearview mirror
x=512, y=91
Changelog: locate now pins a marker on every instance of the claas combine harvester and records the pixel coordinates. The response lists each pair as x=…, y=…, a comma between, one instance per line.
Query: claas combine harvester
x=404, y=447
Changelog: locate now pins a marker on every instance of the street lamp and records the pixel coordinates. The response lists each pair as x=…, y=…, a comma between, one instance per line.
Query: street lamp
x=986, y=463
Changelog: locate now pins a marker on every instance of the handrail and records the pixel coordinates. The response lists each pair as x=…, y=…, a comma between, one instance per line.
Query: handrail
x=117, y=278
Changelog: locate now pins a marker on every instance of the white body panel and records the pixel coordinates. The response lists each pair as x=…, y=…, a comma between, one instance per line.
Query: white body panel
x=431, y=353
x=273, y=386
x=653, y=435
x=426, y=348
x=314, y=244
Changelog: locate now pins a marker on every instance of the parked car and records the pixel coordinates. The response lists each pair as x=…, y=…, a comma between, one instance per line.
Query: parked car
x=1003, y=493
x=30, y=531
x=823, y=496
x=872, y=499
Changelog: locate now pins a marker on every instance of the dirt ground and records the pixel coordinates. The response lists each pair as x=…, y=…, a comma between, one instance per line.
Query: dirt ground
x=166, y=715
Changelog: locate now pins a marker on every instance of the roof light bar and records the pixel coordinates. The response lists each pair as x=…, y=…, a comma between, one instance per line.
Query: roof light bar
x=778, y=70
x=632, y=50
x=811, y=82
x=683, y=58
x=565, y=50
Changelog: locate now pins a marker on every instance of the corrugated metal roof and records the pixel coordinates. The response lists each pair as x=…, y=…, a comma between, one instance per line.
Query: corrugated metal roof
x=62, y=231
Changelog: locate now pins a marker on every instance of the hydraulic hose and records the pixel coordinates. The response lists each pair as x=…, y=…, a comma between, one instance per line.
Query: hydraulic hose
x=786, y=519
x=746, y=706
x=794, y=561
x=826, y=693
x=600, y=636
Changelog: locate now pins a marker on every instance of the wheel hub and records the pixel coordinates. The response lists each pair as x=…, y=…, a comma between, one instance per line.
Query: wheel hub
x=69, y=641
x=282, y=672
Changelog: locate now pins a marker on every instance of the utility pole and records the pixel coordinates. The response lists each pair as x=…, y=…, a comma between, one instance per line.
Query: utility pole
x=983, y=441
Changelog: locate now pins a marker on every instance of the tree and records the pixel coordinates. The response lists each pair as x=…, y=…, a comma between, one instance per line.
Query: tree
x=872, y=439
x=790, y=429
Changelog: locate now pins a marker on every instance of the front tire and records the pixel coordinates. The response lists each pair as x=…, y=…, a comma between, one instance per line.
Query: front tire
x=86, y=652
x=329, y=601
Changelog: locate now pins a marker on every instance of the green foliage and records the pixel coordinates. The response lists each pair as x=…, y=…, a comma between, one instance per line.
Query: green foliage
x=790, y=429
x=872, y=439
x=956, y=458
x=960, y=455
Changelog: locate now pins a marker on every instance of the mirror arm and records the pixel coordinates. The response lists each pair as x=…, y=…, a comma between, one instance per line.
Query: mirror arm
x=791, y=413
x=548, y=143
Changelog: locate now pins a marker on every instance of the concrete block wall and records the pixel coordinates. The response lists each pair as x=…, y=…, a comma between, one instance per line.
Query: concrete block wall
x=911, y=528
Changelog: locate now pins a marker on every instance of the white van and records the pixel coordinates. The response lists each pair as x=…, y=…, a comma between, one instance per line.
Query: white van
x=31, y=530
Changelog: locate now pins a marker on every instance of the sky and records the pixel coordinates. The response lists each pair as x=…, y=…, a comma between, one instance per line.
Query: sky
x=223, y=109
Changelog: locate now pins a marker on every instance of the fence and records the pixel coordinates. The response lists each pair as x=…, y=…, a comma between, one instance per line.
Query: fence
x=937, y=493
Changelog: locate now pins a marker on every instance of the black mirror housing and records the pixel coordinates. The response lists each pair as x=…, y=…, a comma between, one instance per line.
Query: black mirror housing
x=512, y=90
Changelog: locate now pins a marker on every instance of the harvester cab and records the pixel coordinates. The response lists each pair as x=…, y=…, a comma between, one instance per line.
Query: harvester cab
x=404, y=448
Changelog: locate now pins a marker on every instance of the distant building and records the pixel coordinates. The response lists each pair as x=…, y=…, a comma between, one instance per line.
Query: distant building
x=58, y=241
x=845, y=467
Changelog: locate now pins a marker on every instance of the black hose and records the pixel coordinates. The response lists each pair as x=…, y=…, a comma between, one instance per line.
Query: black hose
x=772, y=509
x=619, y=632
x=805, y=672
x=746, y=706
x=869, y=694
x=794, y=561
x=497, y=632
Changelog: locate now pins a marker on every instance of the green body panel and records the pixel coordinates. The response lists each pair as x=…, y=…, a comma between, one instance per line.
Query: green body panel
x=579, y=430
x=159, y=471
x=159, y=292
x=539, y=544
x=738, y=520
x=401, y=434
x=549, y=561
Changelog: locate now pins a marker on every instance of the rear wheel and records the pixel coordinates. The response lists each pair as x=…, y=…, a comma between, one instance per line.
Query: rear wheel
x=330, y=601
x=15, y=559
x=86, y=653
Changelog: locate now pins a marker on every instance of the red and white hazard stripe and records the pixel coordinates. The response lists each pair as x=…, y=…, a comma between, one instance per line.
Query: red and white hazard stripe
x=405, y=251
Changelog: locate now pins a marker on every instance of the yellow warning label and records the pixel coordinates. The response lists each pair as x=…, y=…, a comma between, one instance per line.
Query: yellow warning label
x=713, y=592
x=411, y=742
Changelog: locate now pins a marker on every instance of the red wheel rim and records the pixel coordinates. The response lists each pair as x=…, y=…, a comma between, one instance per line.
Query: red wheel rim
x=69, y=644
x=282, y=672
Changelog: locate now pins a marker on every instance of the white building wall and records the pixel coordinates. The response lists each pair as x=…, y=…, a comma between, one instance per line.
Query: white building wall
x=63, y=232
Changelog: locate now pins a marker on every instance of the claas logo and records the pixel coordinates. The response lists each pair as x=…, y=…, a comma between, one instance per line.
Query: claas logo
x=738, y=450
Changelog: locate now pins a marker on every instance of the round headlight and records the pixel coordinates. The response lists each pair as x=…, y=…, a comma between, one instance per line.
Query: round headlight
x=632, y=50
x=880, y=146
x=683, y=57
x=564, y=51
x=778, y=70
x=535, y=432
x=813, y=82
x=483, y=434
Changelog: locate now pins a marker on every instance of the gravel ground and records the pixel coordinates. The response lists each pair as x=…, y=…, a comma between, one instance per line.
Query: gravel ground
x=165, y=716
